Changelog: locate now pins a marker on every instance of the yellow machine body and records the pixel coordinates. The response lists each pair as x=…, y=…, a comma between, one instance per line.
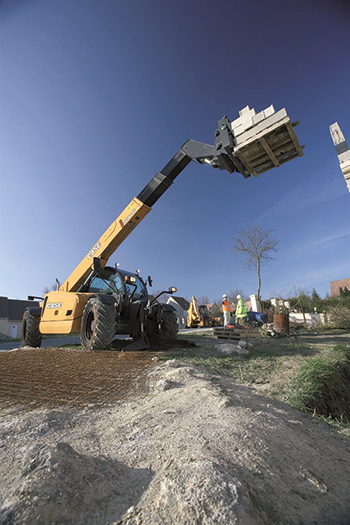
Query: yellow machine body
x=268, y=144
x=193, y=317
x=200, y=316
x=107, y=244
x=62, y=312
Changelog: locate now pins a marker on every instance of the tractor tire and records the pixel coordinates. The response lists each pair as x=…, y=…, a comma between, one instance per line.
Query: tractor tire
x=98, y=325
x=206, y=322
x=169, y=325
x=30, y=333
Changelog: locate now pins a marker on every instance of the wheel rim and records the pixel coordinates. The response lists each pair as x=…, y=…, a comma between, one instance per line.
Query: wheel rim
x=89, y=326
x=24, y=330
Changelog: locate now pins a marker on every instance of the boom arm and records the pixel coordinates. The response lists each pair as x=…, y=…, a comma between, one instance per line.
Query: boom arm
x=256, y=154
x=132, y=216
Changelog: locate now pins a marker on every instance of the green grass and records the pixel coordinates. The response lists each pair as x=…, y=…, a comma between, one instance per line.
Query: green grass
x=313, y=378
x=321, y=385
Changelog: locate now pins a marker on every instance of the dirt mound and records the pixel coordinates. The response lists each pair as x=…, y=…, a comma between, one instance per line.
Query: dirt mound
x=198, y=448
x=58, y=485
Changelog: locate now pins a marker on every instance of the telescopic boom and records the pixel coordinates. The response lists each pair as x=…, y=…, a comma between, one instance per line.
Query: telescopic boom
x=243, y=146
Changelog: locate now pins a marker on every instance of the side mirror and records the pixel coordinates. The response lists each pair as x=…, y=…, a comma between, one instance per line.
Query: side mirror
x=149, y=280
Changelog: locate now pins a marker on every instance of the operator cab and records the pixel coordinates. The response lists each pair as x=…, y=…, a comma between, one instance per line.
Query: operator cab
x=118, y=281
x=134, y=286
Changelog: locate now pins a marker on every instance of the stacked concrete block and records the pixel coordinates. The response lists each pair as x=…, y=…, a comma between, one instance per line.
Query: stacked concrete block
x=244, y=121
x=248, y=119
x=264, y=140
x=343, y=151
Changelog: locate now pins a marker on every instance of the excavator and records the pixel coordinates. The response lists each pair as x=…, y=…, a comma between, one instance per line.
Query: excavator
x=98, y=301
x=199, y=316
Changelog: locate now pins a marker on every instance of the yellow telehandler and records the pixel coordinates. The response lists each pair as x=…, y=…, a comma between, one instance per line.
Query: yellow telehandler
x=99, y=301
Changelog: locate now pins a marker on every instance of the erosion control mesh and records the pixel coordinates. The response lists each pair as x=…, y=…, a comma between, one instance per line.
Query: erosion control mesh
x=52, y=378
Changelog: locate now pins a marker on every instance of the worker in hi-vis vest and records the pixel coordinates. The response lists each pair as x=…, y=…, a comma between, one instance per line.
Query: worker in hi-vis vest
x=226, y=309
x=241, y=311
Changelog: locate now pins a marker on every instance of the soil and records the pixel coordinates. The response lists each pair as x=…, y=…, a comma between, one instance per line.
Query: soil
x=197, y=448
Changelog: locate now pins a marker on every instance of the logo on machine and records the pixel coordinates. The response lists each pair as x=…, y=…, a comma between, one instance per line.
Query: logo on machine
x=129, y=216
x=54, y=305
x=94, y=250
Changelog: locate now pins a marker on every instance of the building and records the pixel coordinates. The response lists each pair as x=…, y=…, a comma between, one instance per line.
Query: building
x=11, y=313
x=214, y=309
x=181, y=305
x=336, y=285
x=343, y=151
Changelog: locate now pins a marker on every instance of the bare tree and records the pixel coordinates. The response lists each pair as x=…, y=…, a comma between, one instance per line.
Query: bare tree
x=162, y=298
x=51, y=288
x=203, y=299
x=232, y=295
x=256, y=244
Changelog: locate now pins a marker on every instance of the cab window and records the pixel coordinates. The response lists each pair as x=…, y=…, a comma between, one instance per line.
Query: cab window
x=109, y=283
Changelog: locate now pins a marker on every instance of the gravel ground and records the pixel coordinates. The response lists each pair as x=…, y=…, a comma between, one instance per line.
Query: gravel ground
x=197, y=448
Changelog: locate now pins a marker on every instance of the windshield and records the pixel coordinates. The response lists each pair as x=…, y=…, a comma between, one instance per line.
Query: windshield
x=137, y=289
x=108, y=282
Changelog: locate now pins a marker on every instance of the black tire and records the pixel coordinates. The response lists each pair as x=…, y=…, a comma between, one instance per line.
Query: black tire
x=169, y=325
x=206, y=322
x=98, y=325
x=30, y=333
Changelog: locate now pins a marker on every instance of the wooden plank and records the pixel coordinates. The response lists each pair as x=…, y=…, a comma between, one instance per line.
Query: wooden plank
x=269, y=151
x=246, y=163
x=259, y=157
x=294, y=139
x=262, y=133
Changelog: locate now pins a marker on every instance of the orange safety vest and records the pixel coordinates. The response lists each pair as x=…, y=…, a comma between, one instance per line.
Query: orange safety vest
x=226, y=306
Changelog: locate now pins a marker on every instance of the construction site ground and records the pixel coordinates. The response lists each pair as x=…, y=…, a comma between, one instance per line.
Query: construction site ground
x=119, y=437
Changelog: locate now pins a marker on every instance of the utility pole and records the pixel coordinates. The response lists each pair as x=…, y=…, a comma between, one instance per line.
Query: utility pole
x=343, y=151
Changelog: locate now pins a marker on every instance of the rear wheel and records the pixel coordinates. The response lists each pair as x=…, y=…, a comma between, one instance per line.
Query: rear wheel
x=169, y=325
x=30, y=333
x=98, y=325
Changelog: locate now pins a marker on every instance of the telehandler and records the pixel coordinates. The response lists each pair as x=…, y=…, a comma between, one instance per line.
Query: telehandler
x=99, y=301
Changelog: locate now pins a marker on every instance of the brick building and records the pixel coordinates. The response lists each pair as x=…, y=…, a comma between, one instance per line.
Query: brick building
x=336, y=285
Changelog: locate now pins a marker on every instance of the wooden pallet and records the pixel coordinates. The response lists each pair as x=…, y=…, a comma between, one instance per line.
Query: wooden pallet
x=227, y=333
x=268, y=144
x=234, y=334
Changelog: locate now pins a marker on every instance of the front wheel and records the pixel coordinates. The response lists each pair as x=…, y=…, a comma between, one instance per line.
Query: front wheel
x=30, y=333
x=169, y=325
x=98, y=325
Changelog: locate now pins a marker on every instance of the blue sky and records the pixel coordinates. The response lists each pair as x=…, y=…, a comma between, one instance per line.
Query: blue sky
x=97, y=96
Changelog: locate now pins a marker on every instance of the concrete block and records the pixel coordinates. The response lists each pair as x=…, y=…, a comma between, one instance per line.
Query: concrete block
x=243, y=116
x=256, y=306
x=247, y=123
x=258, y=117
x=269, y=111
x=343, y=157
x=267, y=122
x=237, y=130
x=244, y=111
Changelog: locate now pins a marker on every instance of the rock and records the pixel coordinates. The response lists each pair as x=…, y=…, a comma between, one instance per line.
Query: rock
x=229, y=348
